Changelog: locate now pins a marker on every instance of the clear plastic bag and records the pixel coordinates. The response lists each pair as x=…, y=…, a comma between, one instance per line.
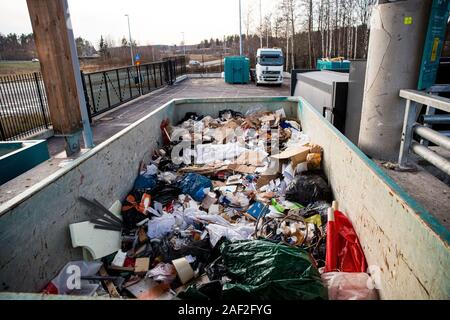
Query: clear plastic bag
x=349, y=286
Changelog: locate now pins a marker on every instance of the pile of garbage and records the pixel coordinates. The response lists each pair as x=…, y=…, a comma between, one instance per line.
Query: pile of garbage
x=234, y=206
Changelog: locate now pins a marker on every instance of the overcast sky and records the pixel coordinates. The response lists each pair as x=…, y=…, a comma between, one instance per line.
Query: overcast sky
x=152, y=21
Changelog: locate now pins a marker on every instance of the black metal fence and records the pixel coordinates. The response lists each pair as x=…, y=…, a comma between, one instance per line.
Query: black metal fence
x=23, y=102
x=106, y=90
x=23, y=106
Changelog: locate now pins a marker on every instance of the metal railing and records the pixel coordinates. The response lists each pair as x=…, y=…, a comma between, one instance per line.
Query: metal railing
x=23, y=102
x=108, y=89
x=23, y=106
x=414, y=101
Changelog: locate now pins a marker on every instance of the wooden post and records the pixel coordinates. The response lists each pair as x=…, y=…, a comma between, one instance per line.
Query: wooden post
x=53, y=48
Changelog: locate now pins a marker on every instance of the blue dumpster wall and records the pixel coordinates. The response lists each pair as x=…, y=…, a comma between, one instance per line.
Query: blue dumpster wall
x=18, y=157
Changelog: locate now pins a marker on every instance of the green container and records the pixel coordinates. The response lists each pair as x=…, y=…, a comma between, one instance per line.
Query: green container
x=17, y=157
x=237, y=69
x=333, y=65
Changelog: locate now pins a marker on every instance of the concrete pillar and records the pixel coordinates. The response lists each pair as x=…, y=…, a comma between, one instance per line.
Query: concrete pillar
x=397, y=35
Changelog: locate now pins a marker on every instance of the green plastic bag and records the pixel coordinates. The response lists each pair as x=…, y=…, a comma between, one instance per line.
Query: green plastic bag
x=263, y=270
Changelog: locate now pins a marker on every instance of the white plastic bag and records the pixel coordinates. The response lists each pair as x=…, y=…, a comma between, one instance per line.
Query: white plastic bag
x=232, y=233
x=69, y=282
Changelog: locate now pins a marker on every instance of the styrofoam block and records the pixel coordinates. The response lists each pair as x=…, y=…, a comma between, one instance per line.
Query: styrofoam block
x=99, y=243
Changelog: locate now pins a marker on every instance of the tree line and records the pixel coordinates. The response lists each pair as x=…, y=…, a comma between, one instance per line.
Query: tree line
x=308, y=30
x=17, y=47
x=22, y=47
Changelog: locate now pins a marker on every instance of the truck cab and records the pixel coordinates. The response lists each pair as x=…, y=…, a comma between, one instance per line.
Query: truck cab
x=269, y=66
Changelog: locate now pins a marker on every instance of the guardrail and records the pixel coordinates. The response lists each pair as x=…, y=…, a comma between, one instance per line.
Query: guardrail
x=414, y=101
x=108, y=89
x=23, y=106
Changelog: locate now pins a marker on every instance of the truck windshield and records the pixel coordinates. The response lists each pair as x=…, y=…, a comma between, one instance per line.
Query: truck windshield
x=270, y=60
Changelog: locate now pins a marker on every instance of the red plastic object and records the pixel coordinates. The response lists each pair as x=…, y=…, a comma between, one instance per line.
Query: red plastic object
x=331, y=252
x=344, y=252
x=50, y=289
x=129, y=262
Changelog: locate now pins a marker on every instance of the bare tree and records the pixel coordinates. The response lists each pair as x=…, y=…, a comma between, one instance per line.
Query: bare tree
x=310, y=30
x=277, y=25
x=248, y=21
x=288, y=10
x=268, y=28
x=364, y=10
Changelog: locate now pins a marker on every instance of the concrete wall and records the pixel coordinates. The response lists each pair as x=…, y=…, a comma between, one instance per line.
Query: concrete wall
x=398, y=235
x=34, y=227
x=355, y=98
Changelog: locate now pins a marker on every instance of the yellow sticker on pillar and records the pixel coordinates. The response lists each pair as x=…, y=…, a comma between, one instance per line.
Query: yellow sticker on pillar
x=407, y=20
x=435, y=49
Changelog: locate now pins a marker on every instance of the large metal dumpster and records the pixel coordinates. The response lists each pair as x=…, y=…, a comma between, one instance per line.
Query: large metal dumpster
x=410, y=248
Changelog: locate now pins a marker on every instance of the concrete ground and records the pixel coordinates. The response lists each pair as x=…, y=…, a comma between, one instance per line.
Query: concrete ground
x=423, y=186
x=114, y=121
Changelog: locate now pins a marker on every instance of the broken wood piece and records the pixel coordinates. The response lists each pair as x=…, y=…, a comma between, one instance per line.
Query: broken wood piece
x=120, y=269
x=109, y=284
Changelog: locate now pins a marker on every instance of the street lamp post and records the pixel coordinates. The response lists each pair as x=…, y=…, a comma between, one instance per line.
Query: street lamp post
x=184, y=45
x=240, y=30
x=131, y=42
x=260, y=26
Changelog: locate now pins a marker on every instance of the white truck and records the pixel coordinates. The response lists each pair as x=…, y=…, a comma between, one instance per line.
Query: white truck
x=269, y=66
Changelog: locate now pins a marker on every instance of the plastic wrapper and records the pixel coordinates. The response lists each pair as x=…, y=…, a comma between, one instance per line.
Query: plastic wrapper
x=130, y=213
x=65, y=282
x=349, y=286
x=165, y=194
x=209, y=153
x=193, y=185
x=164, y=272
x=307, y=188
x=232, y=233
x=145, y=182
x=159, y=227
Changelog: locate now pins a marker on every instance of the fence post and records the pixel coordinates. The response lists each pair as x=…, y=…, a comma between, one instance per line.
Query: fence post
x=41, y=101
x=148, y=78
x=107, y=90
x=2, y=131
x=129, y=82
x=86, y=96
x=118, y=85
x=138, y=72
x=407, y=132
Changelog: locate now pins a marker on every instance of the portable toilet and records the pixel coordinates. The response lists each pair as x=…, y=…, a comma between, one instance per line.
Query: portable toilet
x=237, y=69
